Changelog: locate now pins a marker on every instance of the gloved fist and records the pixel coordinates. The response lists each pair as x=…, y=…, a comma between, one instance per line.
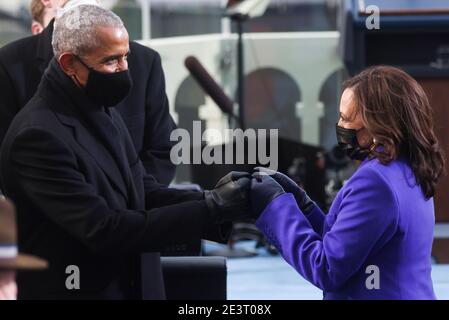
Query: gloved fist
x=229, y=200
x=302, y=199
x=264, y=189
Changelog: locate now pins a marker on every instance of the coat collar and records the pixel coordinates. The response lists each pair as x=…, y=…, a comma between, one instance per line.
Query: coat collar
x=70, y=105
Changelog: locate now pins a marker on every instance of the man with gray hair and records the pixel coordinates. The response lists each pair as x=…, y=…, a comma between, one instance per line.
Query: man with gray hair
x=84, y=200
x=103, y=74
x=145, y=110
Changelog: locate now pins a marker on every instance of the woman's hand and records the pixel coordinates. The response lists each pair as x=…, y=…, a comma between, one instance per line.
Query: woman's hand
x=264, y=189
x=302, y=199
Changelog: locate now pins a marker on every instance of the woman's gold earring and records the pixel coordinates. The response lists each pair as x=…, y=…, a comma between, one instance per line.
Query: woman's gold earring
x=373, y=146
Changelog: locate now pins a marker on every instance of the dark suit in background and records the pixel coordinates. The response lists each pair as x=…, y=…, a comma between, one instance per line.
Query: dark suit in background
x=83, y=197
x=145, y=111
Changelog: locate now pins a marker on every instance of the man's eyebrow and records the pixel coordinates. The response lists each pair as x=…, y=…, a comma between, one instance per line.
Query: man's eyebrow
x=114, y=57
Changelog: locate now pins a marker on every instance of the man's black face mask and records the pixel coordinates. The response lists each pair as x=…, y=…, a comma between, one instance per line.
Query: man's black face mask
x=347, y=140
x=107, y=89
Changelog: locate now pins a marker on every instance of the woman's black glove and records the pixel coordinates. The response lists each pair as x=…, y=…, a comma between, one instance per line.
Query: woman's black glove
x=302, y=199
x=229, y=200
x=264, y=189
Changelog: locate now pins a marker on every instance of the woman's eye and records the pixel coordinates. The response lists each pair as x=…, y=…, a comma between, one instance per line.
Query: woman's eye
x=344, y=119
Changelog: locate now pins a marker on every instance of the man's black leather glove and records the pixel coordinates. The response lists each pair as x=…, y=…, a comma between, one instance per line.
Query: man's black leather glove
x=264, y=189
x=229, y=200
x=302, y=199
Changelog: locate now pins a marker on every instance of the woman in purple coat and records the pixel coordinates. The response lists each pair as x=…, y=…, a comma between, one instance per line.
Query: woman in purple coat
x=376, y=240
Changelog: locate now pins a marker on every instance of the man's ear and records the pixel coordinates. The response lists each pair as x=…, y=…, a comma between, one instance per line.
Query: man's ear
x=67, y=63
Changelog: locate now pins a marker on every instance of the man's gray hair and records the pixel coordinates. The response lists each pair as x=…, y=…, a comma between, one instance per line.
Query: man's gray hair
x=76, y=30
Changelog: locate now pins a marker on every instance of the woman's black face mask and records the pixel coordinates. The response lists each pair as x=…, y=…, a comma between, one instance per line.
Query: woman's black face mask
x=107, y=89
x=347, y=140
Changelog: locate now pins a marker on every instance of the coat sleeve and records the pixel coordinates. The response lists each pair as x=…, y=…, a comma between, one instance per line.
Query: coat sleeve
x=316, y=219
x=45, y=174
x=367, y=219
x=158, y=195
x=159, y=124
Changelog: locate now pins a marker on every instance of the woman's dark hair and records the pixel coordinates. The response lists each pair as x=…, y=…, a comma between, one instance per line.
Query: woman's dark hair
x=397, y=113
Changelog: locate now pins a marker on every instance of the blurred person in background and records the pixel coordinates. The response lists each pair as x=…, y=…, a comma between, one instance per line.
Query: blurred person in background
x=10, y=260
x=40, y=15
